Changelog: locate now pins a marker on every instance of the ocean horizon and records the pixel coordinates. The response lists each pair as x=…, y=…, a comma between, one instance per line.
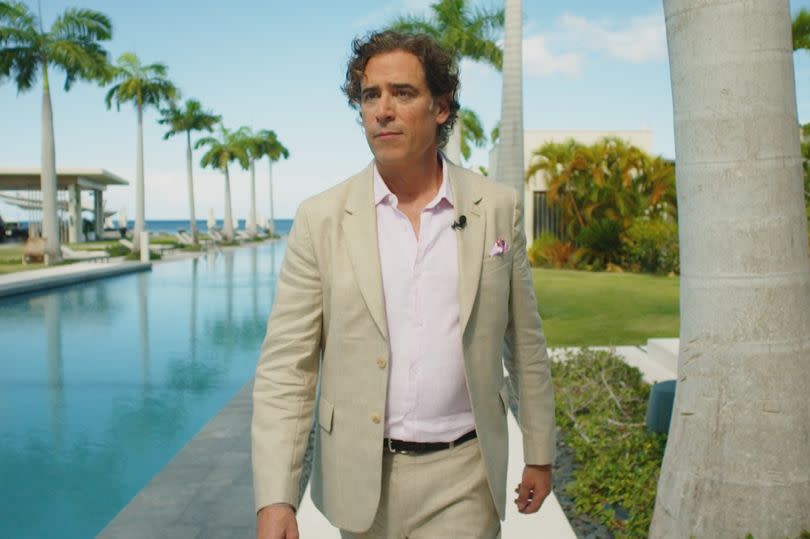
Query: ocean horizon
x=173, y=225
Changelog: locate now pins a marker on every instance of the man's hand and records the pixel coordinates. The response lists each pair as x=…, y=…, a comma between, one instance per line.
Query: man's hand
x=534, y=488
x=276, y=522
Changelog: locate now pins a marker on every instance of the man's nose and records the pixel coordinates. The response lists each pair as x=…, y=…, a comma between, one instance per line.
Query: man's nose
x=385, y=109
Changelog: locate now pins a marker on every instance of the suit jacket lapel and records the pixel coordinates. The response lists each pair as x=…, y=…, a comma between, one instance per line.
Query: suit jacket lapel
x=470, y=241
x=360, y=229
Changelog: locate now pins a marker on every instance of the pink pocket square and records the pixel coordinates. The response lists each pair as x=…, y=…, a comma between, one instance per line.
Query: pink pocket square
x=500, y=248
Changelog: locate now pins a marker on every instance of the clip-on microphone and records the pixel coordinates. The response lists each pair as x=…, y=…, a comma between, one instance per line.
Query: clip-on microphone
x=460, y=224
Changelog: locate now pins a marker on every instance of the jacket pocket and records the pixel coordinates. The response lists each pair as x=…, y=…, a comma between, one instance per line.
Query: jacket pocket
x=493, y=264
x=325, y=412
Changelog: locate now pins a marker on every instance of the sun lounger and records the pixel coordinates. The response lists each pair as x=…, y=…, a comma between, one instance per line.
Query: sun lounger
x=215, y=235
x=184, y=238
x=160, y=249
x=70, y=254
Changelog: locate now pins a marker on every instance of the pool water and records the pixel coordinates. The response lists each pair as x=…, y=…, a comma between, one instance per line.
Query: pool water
x=102, y=383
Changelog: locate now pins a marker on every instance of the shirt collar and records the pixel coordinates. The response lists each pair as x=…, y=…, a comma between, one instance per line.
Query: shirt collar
x=382, y=192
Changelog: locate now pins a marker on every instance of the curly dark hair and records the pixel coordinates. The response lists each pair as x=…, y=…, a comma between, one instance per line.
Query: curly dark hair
x=441, y=69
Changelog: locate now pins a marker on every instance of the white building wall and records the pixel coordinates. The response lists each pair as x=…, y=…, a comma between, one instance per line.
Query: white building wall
x=533, y=139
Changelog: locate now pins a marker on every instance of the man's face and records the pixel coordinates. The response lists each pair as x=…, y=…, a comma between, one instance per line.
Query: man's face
x=399, y=114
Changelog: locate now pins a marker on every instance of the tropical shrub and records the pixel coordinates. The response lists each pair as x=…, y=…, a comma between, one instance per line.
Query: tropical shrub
x=600, y=190
x=651, y=245
x=601, y=243
x=601, y=404
x=538, y=250
x=609, y=179
x=549, y=252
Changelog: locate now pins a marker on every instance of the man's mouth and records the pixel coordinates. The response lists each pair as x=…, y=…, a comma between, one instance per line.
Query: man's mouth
x=387, y=134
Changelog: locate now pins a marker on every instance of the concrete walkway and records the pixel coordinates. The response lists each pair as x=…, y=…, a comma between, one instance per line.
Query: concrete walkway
x=656, y=364
x=22, y=282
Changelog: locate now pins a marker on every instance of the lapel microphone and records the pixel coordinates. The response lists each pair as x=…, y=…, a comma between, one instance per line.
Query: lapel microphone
x=460, y=224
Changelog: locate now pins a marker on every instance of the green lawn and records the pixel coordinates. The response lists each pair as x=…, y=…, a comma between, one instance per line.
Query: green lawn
x=582, y=308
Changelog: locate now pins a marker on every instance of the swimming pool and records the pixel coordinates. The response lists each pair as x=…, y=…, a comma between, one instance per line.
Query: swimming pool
x=102, y=383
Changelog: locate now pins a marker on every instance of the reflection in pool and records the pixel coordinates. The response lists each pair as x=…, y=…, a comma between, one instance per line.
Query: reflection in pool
x=102, y=383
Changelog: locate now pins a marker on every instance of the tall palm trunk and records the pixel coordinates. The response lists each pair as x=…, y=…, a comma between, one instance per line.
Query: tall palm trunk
x=192, y=213
x=251, y=224
x=139, y=185
x=227, y=225
x=737, y=458
x=48, y=184
x=510, y=151
x=272, y=212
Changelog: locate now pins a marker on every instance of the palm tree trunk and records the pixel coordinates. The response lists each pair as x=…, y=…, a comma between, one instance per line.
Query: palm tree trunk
x=251, y=224
x=192, y=213
x=272, y=212
x=48, y=183
x=737, y=459
x=227, y=224
x=139, y=186
x=510, y=148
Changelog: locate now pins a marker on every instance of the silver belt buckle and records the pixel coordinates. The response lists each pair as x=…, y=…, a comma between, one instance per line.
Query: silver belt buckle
x=392, y=450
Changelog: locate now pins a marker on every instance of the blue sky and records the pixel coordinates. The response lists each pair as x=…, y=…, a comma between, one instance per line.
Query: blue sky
x=279, y=65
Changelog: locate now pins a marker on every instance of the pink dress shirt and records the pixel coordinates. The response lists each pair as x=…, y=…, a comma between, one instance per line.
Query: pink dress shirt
x=427, y=392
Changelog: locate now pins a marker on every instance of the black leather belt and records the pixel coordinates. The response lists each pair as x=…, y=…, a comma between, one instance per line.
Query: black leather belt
x=401, y=446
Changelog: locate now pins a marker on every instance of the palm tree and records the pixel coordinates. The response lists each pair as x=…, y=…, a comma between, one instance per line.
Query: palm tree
x=73, y=45
x=221, y=151
x=274, y=150
x=568, y=177
x=736, y=460
x=466, y=33
x=143, y=85
x=191, y=118
x=801, y=30
x=261, y=144
x=253, y=144
x=510, y=147
x=472, y=132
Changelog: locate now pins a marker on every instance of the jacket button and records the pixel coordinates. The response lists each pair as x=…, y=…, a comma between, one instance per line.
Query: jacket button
x=375, y=417
x=381, y=363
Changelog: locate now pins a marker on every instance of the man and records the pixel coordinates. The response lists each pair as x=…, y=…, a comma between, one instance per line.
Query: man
x=407, y=279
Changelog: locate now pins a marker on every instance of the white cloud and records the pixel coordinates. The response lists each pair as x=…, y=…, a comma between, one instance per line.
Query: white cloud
x=640, y=40
x=539, y=60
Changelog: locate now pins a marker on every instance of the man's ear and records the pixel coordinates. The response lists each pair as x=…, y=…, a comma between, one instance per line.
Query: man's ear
x=442, y=104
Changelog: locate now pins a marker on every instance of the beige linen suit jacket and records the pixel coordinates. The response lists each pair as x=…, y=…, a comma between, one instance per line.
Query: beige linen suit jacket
x=329, y=319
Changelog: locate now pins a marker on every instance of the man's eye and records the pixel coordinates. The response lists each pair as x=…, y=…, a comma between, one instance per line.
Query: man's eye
x=404, y=93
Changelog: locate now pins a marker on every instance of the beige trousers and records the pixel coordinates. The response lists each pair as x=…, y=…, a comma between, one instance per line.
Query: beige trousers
x=443, y=494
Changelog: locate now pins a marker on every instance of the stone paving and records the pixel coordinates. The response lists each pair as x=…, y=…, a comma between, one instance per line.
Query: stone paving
x=205, y=491
x=22, y=282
